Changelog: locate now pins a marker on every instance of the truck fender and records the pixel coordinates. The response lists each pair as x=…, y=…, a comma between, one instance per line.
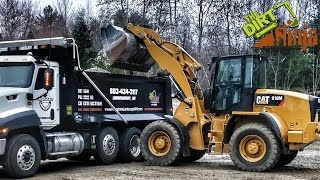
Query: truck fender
x=23, y=121
x=184, y=134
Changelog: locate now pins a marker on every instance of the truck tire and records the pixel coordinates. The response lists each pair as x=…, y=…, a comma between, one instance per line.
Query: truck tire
x=254, y=147
x=130, y=149
x=23, y=156
x=194, y=156
x=160, y=143
x=84, y=156
x=107, y=145
x=286, y=159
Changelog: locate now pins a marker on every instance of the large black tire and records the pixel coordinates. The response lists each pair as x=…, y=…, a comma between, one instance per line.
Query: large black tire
x=84, y=156
x=107, y=145
x=130, y=149
x=194, y=156
x=160, y=143
x=254, y=147
x=286, y=159
x=23, y=156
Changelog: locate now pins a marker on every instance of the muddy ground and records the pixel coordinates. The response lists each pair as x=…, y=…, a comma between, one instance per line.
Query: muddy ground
x=305, y=166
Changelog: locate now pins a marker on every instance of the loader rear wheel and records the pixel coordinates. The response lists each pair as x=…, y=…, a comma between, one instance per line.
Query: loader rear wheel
x=286, y=159
x=107, y=143
x=194, y=156
x=23, y=156
x=160, y=143
x=254, y=147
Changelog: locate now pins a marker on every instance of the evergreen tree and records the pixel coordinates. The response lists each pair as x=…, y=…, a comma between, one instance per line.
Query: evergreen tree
x=81, y=33
x=49, y=22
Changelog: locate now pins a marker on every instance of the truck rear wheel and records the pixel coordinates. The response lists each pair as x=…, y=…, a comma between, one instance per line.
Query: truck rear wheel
x=254, y=147
x=286, y=159
x=130, y=149
x=107, y=145
x=160, y=143
x=23, y=156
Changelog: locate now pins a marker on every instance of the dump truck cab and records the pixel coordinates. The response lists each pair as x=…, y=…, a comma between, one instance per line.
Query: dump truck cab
x=22, y=87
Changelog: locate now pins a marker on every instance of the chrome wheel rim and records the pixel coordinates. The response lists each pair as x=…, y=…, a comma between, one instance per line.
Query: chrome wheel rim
x=135, y=145
x=26, y=157
x=109, y=144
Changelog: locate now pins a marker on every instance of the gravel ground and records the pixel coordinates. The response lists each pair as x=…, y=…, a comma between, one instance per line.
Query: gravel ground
x=305, y=166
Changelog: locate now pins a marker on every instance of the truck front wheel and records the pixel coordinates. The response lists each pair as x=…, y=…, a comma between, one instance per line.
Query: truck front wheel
x=107, y=145
x=23, y=156
x=254, y=147
x=160, y=143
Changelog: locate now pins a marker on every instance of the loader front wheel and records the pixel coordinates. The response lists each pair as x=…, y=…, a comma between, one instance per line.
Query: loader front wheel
x=254, y=147
x=160, y=143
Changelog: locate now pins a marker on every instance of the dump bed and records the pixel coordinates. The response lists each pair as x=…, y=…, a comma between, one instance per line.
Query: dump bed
x=136, y=98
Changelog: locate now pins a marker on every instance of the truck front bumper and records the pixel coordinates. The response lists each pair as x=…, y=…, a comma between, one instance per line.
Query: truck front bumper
x=2, y=146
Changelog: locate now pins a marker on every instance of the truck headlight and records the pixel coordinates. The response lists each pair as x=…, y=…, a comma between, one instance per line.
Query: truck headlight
x=4, y=131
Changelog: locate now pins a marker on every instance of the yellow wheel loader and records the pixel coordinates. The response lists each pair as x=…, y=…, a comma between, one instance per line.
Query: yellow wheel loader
x=260, y=128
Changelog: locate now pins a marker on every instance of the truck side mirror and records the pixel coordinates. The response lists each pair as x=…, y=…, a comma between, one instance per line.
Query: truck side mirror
x=47, y=80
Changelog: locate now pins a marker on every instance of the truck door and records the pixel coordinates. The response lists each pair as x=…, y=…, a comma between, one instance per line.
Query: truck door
x=46, y=104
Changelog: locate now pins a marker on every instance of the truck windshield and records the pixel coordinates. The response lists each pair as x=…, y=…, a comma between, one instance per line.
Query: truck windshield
x=16, y=74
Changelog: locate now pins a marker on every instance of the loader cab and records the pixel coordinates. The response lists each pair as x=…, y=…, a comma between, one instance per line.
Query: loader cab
x=234, y=82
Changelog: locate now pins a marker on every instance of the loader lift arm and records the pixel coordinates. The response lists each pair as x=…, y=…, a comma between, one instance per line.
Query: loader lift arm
x=182, y=67
x=171, y=58
x=138, y=48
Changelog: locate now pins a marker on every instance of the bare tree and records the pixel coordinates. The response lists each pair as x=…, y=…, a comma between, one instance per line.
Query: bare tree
x=16, y=19
x=64, y=9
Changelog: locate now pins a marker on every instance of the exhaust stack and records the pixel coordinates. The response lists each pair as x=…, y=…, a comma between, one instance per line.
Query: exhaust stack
x=124, y=50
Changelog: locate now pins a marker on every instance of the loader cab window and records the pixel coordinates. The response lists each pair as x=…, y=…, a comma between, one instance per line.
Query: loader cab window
x=228, y=83
x=255, y=72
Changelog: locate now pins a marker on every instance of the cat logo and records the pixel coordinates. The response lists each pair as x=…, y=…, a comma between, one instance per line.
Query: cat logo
x=270, y=100
x=262, y=100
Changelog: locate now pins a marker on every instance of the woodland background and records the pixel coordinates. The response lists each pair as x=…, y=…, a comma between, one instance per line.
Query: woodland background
x=205, y=28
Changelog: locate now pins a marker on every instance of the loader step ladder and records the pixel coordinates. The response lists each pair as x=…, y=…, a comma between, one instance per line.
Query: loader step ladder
x=219, y=125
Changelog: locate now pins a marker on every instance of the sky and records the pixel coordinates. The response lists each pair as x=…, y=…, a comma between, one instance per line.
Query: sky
x=75, y=3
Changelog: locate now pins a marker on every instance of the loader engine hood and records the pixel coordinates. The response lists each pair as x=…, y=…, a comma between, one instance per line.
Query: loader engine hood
x=12, y=99
x=124, y=50
x=286, y=103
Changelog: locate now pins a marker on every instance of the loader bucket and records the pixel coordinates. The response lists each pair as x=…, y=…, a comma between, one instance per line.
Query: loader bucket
x=124, y=50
